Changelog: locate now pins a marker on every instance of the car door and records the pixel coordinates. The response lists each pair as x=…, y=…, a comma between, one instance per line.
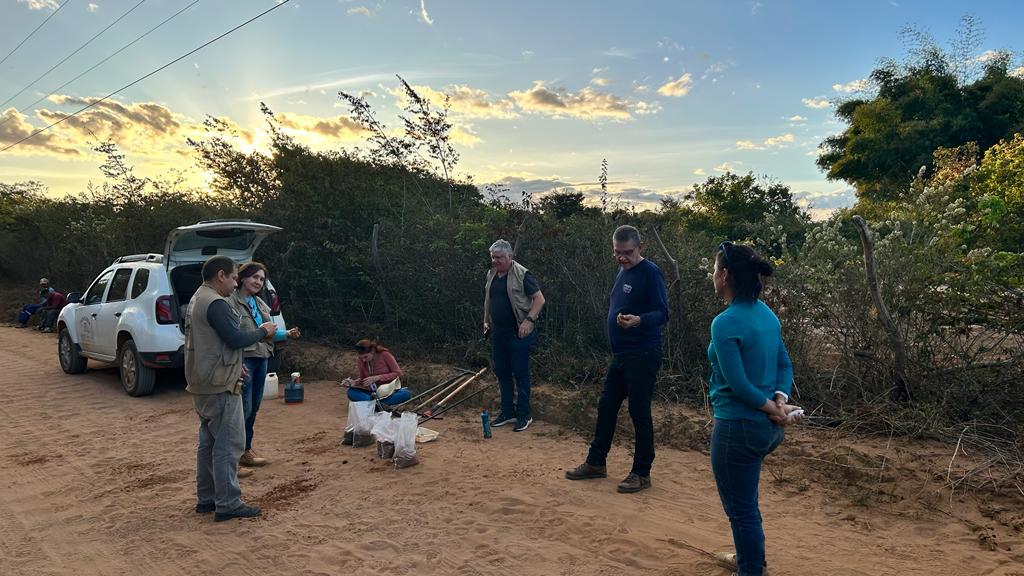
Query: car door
x=110, y=312
x=87, y=315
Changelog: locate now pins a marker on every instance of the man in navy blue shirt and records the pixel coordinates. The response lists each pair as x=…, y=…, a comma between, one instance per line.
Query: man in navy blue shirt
x=636, y=313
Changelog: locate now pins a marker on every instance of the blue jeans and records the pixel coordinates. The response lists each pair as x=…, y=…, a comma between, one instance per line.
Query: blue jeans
x=629, y=376
x=252, y=394
x=737, y=449
x=511, y=356
x=397, y=397
x=221, y=437
x=27, y=311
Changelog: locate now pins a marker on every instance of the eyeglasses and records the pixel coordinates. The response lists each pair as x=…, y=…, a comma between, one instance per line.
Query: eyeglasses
x=724, y=249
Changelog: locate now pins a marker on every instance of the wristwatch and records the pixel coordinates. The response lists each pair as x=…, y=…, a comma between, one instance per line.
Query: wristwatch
x=531, y=319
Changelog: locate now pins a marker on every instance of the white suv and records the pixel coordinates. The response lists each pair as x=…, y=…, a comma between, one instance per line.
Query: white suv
x=133, y=312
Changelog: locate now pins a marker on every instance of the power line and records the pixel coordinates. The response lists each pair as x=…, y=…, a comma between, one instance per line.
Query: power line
x=30, y=34
x=134, y=82
x=130, y=10
x=96, y=65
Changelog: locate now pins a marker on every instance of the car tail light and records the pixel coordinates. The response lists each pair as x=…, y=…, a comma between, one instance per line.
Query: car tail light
x=275, y=303
x=165, y=310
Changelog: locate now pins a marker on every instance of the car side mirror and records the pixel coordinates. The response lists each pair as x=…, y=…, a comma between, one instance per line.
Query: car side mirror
x=75, y=298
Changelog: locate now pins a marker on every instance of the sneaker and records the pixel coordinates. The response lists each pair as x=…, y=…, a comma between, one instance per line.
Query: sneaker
x=242, y=512
x=727, y=560
x=586, y=471
x=244, y=472
x=46, y=330
x=522, y=424
x=634, y=483
x=205, y=507
x=249, y=458
x=502, y=419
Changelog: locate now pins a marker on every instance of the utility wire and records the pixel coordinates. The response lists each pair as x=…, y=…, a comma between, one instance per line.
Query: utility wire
x=30, y=34
x=130, y=10
x=134, y=82
x=96, y=65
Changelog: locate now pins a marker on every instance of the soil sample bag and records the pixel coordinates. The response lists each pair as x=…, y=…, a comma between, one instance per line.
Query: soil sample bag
x=360, y=423
x=383, y=431
x=405, y=441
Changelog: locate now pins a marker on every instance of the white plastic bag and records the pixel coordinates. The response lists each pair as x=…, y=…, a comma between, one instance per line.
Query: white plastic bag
x=360, y=422
x=384, y=427
x=405, y=441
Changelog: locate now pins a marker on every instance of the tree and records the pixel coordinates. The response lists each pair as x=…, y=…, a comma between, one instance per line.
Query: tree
x=731, y=206
x=920, y=106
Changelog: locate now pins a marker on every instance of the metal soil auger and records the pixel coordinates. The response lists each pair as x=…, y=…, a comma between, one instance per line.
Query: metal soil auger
x=443, y=405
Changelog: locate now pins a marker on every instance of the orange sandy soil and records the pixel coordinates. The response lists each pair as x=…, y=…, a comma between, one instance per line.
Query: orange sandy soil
x=96, y=482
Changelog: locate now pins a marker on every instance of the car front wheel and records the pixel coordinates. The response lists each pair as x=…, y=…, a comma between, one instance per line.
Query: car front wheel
x=70, y=360
x=137, y=379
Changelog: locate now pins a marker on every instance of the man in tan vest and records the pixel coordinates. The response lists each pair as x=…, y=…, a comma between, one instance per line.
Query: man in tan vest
x=512, y=302
x=213, y=370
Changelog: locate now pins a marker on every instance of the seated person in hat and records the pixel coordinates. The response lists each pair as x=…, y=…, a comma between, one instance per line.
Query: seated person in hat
x=378, y=370
x=49, y=305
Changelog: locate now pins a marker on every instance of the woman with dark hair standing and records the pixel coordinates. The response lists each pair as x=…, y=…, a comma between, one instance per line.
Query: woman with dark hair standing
x=751, y=379
x=253, y=311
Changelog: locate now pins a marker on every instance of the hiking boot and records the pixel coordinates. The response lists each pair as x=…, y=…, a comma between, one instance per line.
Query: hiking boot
x=205, y=507
x=522, y=424
x=347, y=439
x=586, y=472
x=242, y=512
x=244, y=472
x=727, y=560
x=634, y=483
x=502, y=419
x=249, y=458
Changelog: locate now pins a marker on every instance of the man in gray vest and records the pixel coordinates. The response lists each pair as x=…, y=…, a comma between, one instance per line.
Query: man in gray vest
x=512, y=302
x=213, y=370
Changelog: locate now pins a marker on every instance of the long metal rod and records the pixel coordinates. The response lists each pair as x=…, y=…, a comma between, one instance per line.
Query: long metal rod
x=435, y=388
x=447, y=408
x=461, y=387
x=454, y=384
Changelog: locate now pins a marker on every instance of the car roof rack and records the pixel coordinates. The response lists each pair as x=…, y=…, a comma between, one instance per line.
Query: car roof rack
x=224, y=220
x=157, y=258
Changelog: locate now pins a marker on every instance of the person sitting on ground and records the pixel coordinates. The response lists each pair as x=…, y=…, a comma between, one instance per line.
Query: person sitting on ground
x=378, y=372
x=55, y=302
x=48, y=298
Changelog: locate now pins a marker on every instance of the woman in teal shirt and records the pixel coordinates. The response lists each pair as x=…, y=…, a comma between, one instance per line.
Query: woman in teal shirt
x=751, y=379
x=253, y=311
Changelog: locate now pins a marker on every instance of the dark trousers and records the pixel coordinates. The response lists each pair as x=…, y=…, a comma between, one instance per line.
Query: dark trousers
x=511, y=357
x=252, y=394
x=737, y=449
x=629, y=376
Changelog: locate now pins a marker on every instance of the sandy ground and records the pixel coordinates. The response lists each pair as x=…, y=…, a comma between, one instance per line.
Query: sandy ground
x=96, y=482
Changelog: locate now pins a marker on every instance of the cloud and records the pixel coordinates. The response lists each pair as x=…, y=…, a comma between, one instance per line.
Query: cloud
x=988, y=56
x=852, y=86
x=816, y=103
x=796, y=118
x=352, y=81
x=714, y=72
x=527, y=53
x=93, y=7
x=726, y=167
x=517, y=184
x=667, y=43
x=16, y=126
x=619, y=53
x=423, y=13
x=645, y=108
x=755, y=7
x=40, y=4
x=360, y=10
x=677, y=88
x=463, y=134
x=339, y=128
x=1018, y=72
x=779, y=141
x=699, y=172
x=587, y=103
x=463, y=100
x=748, y=145
x=599, y=81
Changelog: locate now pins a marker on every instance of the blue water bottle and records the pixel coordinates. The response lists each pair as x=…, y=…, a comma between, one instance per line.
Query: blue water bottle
x=487, y=423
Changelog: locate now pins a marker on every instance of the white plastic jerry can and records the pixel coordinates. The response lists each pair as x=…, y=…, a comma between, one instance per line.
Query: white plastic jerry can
x=270, y=389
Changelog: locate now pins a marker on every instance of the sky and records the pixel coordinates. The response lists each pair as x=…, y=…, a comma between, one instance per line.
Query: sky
x=670, y=92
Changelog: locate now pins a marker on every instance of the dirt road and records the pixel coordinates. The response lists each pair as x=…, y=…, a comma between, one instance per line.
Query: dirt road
x=96, y=482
